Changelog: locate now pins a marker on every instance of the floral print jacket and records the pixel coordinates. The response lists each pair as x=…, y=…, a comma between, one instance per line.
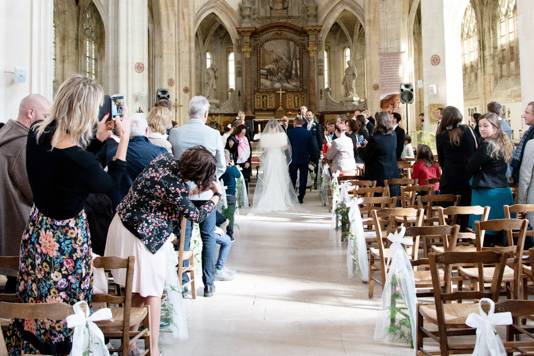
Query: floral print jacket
x=157, y=201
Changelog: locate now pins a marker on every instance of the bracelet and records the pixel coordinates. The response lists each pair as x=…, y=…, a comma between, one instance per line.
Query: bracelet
x=217, y=194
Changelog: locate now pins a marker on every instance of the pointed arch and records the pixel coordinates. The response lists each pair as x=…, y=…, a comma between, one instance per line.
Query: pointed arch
x=226, y=14
x=331, y=15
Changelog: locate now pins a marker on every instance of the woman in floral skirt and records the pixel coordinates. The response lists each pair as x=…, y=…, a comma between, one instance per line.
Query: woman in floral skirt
x=55, y=253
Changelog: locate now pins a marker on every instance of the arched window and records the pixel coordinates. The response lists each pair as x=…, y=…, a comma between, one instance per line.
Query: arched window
x=326, y=69
x=231, y=70
x=208, y=59
x=469, y=37
x=346, y=56
x=507, y=22
x=89, y=41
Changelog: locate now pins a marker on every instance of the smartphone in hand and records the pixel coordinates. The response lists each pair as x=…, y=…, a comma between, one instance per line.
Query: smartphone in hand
x=117, y=105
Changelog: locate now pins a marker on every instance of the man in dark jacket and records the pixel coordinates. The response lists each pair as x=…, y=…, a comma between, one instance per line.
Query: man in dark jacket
x=302, y=148
x=316, y=130
x=401, y=134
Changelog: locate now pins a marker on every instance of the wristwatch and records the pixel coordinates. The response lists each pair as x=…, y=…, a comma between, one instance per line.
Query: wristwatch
x=217, y=194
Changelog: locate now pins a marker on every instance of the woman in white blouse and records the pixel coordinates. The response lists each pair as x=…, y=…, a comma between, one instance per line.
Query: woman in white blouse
x=341, y=152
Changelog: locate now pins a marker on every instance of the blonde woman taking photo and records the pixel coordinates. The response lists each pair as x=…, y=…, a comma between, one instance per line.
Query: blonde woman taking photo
x=487, y=168
x=55, y=252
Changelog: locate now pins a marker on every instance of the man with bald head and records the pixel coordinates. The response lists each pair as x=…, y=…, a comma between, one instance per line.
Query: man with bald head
x=15, y=193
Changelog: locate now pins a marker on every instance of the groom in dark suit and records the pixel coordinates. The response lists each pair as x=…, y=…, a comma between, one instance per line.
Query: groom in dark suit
x=302, y=151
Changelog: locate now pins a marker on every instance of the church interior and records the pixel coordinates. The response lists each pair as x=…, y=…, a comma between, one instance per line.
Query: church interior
x=327, y=276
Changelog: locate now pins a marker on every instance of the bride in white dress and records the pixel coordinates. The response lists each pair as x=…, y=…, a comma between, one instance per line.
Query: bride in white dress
x=274, y=191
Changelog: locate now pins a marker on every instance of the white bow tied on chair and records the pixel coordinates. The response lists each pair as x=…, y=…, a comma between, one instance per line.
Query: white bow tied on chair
x=357, y=249
x=87, y=336
x=488, y=342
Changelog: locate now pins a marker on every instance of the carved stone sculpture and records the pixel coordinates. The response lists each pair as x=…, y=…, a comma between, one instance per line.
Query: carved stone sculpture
x=348, y=80
x=211, y=82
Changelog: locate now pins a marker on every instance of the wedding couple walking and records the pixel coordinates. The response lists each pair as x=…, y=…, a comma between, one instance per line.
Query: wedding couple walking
x=285, y=156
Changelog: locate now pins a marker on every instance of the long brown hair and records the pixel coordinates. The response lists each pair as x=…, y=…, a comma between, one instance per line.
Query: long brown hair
x=450, y=122
x=500, y=145
x=383, y=123
x=424, y=153
x=197, y=164
x=238, y=129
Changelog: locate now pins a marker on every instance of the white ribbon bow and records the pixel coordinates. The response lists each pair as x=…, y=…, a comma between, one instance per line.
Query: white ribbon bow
x=398, y=237
x=488, y=342
x=344, y=193
x=86, y=332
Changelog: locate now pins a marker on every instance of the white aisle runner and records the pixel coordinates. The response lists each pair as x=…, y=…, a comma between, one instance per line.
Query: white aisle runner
x=291, y=296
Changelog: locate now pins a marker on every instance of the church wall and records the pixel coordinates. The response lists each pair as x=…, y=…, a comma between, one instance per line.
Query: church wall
x=26, y=39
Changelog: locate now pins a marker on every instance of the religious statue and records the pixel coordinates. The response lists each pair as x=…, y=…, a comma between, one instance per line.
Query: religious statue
x=278, y=4
x=348, y=80
x=211, y=82
x=247, y=11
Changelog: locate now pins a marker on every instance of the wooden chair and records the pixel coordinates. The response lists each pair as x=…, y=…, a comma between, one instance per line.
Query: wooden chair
x=450, y=215
x=513, y=271
x=386, y=221
x=409, y=194
x=369, y=204
x=398, y=181
x=406, y=168
x=370, y=192
x=432, y=201
x=360, y=183
x=520, y=211
x=9, y=266
x=184, y=256
x=428, y=235
x=450, y=317
x=125, y=318
x=351, y=178
x=520, y=310
x=41, y=311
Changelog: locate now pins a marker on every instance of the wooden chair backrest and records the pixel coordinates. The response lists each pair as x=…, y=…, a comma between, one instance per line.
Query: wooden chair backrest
x=387, y=220
x=125, y=301
x=429, y=234
x=349, y=177
x=452, y=212
x=9, y=266
x=41, y=311
x=369, y=204
x=520, y=210
x=360, y=183
x=431, y=201
x=480, y=259
x=508, y=226
x=370, y=192
x=409, y=194
x=398, y=181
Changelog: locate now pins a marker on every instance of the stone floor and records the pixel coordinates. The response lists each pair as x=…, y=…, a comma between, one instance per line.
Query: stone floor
x=291, y=297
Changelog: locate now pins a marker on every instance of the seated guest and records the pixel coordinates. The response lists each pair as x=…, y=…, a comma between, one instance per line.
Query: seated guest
x=15, y=190
x=487, y=168
x=159, y=121
x=140, y=152
x=380, y=155
x=230, y=177
x=145, y=219
x=425, y=168
x=225, y=243
x=407, y=151
x=55, y=251
x=341, y=152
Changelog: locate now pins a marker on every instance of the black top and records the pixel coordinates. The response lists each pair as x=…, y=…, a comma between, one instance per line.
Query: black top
x=453, y=159
x=487, y=172
x=380, y=158
x=401, y=135
x=61, y=179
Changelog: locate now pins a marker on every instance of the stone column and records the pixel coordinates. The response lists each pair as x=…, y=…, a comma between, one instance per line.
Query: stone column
x=525, y=17
x=247, y=76
x=26, y=38
x=127, y=52
x=442, y=65
x=372, y=54
x=185, y=58
x=311, y=84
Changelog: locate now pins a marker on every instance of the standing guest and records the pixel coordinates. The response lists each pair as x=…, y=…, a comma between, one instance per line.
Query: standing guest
x=145, y=220
x=455, y=143
x=369, y=122
x=195, y=132
x=407, y=151
x=302, y=112
x=227, y=133
x=487, y=167
x=352, y=132
x=362, y=127
x=159, y=121
x=15, y=189
x=421, y=122
x=525, y=193
x=496, y=108
x=284, y=122
x=341, y=153
x=528, y=116
x=230, y=177
x=379, y=154
x=302, y=151
x=55, y=251
x=140, y=152
x=240, y=151
x=400, y=133
x=476, y=118
x=316, y=131
x=425, y=168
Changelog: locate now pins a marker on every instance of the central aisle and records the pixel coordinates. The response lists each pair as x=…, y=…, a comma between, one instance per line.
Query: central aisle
x=291, y=296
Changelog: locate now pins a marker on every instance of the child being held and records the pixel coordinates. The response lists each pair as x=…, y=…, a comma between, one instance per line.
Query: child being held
x=425, y=168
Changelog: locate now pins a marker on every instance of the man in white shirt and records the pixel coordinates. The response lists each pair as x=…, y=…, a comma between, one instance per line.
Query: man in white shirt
x=195, y=132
